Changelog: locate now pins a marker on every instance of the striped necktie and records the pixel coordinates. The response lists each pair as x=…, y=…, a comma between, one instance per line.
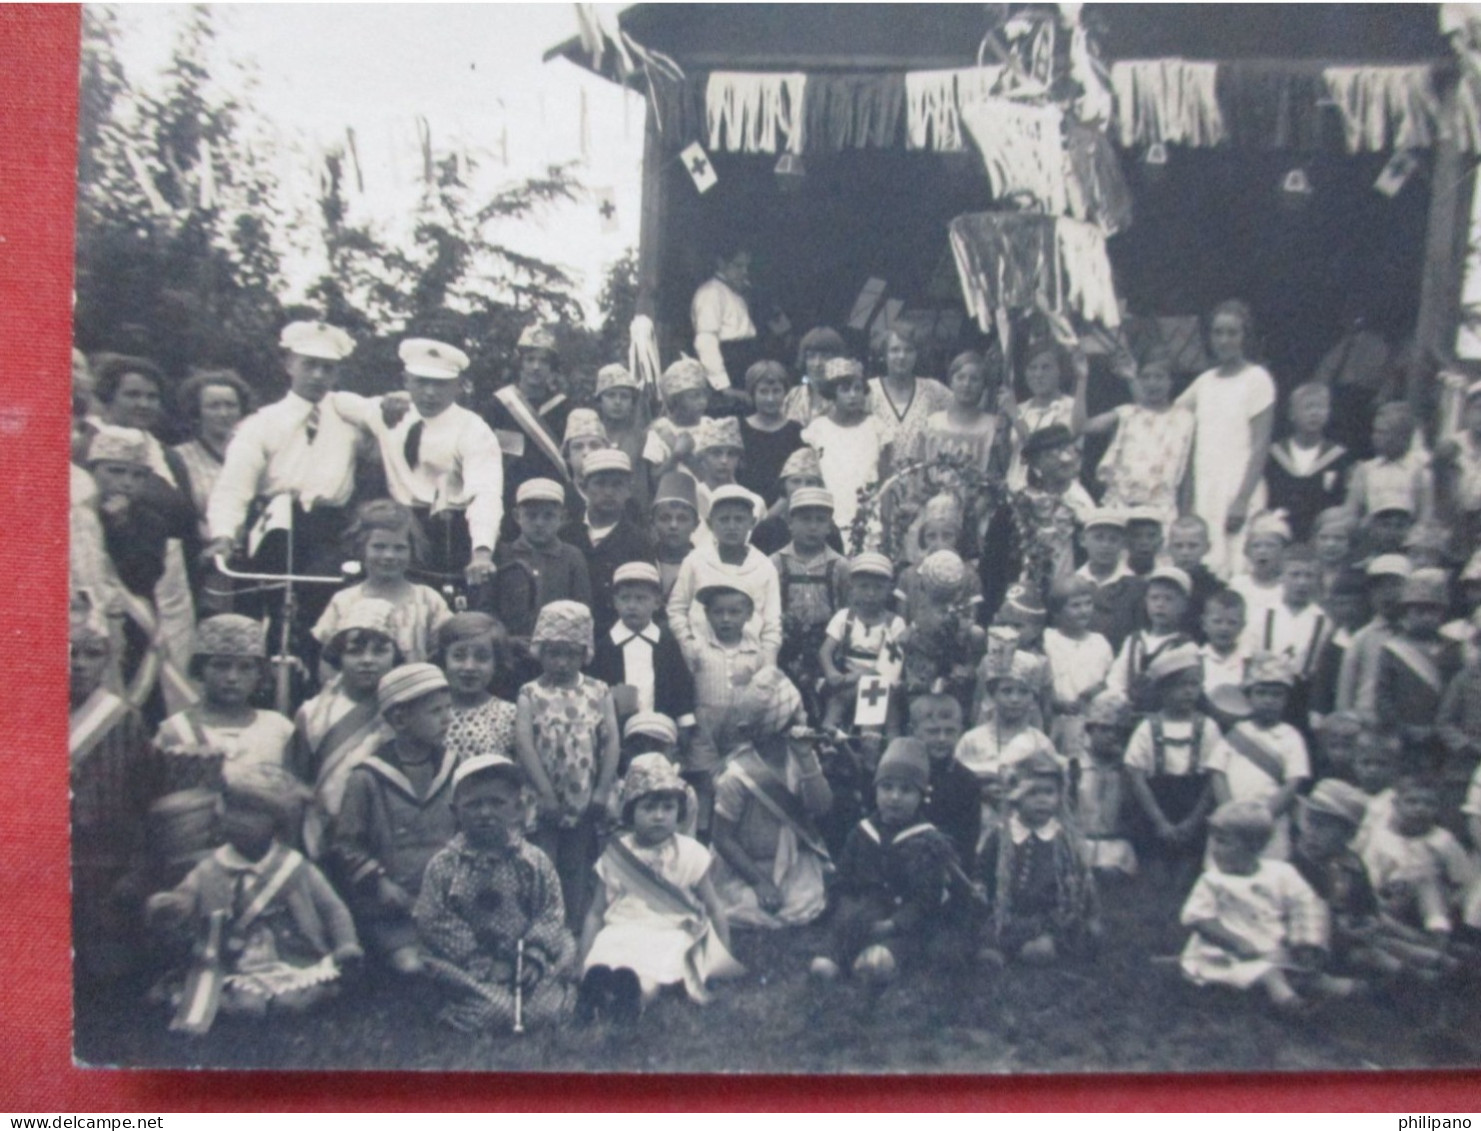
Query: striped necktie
x=311, y=423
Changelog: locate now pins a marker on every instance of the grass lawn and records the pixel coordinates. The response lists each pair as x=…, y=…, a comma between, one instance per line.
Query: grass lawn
x=1122, y=1013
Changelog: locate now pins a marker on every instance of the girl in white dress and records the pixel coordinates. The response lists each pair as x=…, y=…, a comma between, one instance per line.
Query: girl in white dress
x=1233, y=408
x=655, y=920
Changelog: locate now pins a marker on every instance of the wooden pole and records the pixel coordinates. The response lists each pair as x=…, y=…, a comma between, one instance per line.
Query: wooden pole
x=1447, y=236
x=651, y=223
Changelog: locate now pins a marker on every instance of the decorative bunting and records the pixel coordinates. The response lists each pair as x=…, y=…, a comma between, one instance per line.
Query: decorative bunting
x=1384, y=106
x=746, y=113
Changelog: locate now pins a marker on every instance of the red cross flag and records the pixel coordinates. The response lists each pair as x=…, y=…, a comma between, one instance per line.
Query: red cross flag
x=873, y=703
x=606, y=201
x=696, y=163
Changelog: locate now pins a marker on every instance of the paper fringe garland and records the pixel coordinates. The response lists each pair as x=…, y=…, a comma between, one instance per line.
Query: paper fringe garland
x=745, y=112
x=1167, y=100
x=933, y=102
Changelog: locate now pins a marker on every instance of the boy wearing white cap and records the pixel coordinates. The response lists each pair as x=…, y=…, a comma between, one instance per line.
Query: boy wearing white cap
x=863, y=639
x=1118, y=591
x=637, y=657
x=537, y=567
x=731, y=561
x=444, y=462
x=397, y=813
x=1262, y=758
x=1166, y=605
x=814, y=580
x=1167, y=762
x=608, y=534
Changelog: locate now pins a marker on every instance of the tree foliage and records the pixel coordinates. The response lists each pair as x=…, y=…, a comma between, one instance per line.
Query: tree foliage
x=177, y=211
x=184, y=229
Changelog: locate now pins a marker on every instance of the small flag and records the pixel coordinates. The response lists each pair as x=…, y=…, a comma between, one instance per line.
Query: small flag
x=873, y=703
x=697, y=164
x=606, y=199
x=1396, y=173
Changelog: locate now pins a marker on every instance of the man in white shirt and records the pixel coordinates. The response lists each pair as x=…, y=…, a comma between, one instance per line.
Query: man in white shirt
x=302, y=447
x=722, y=319
x=444, y=462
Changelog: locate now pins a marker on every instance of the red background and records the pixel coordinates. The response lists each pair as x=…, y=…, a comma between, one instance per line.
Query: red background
x=38, y=102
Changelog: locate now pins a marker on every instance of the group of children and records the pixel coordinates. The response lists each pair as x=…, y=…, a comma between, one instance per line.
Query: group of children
x=694, y=714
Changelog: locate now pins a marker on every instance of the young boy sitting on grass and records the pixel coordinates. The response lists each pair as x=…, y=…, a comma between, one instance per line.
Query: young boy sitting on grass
x=1255, y=921
x=1365, y=941
x=490, y=913
x=278, y=930
x=893, y=876
x=1041, y=899
x=1422, y=875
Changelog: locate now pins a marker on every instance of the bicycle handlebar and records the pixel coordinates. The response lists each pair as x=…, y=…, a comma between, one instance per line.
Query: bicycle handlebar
x=304, y=578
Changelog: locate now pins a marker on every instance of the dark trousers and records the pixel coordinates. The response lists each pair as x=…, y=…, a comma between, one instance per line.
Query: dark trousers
x=573, y=851
x=449, y=545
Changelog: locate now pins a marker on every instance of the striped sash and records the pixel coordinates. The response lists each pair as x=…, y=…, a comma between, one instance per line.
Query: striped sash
x=155, y=663
x=91, y=723
x=662, y=894
x=772, y=794
x=1417, y=662
x=533, y=427
x=1255, y=751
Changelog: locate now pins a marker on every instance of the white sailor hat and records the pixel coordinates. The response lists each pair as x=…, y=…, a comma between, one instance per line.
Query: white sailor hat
x=423, y=357
x=316, y=339
x=537, y=337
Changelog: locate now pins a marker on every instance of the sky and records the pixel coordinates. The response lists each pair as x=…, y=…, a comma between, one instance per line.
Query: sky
x=474, y=72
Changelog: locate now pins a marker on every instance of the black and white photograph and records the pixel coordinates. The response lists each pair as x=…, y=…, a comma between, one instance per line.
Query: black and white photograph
x=777, y=538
